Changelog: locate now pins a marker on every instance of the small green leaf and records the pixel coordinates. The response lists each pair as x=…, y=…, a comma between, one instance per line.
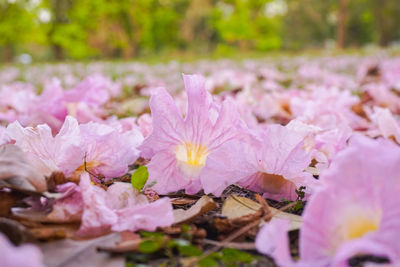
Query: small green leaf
x=139, y=178
x=230, y=255
x=150, y=246
x=208, y=262
x=185, y=228
x=189, y=251
x=147, y=234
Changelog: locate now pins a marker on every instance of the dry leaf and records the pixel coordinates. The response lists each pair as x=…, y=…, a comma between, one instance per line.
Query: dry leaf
x=203, y=205
x=182, y=201
x=15, y=231
x=15, y=170
x=129, y=243
x=71, y=253
x=226, y=226
x=122, y=247
x=235, y=207
x=56, y=178
x=197, y=234
x=8, y=200
x=30, y=214
x=295, y=220
x=239, y=212
x=54, y=231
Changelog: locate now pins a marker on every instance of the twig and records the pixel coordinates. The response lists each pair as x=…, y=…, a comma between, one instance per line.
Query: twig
x=236, y=245
x=239, y=232
x=86, y=169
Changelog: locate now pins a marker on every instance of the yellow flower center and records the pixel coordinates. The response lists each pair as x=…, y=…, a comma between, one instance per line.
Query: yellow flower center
x=358, y=225
x=354, y=223
x=191, y=158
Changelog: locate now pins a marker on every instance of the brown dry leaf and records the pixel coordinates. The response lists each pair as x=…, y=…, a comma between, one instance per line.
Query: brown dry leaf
x=239, y=212
x=71, y=253
x=197, y=234
x=122, y=247
x=182, y=201
x=203, y=205
x=129, y=243
x=31, y=215
x=226, y=226
x=236, y=207
x=359, y=110
x=56, y=178
x=54, y=231
x=8, y=200
x=295, y=220
x=15, y=231
x=15, y=170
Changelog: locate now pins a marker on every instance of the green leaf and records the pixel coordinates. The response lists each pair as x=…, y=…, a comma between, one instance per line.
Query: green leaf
x=146, y=234
x=230, y=255
x=150, y=246
x=189, y=251
x=208, y=262
x=211, y=260
x=185, y=228
x=139, y=178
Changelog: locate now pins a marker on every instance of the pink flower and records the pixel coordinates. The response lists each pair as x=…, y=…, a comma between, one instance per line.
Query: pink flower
x=92, y=91
x=180, y=148
x=120, y=208
x=273, y=240
x=145, y=124
x=106, y=151
x=85, y=101
x=356, y=212
x=69, y=206
x=4, y=138
x=60, y=153
x=385, y=123
x=97, y=217
x=50, y=107
x=24, y=255
x=271, y=162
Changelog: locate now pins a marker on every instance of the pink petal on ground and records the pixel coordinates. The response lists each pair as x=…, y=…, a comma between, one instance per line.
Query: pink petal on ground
x=97, y=217
x=122, y=195
x=145, y=217
x=273, y=240
x=68, y=207
x=22, y=256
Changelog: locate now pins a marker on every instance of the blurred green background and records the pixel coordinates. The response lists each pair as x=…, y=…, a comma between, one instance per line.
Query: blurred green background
x=42, y=30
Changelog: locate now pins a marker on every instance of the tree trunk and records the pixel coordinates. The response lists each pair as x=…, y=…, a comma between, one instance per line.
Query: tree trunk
x=58, y=52
x=7, y=53
x=341, y=24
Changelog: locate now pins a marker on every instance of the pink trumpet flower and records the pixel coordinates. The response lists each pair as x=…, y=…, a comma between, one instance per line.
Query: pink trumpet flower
x=47, y=153
x=356, y=212
x=271, y=161
x=94, y=147
x=120, y=208
x=180, y=149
